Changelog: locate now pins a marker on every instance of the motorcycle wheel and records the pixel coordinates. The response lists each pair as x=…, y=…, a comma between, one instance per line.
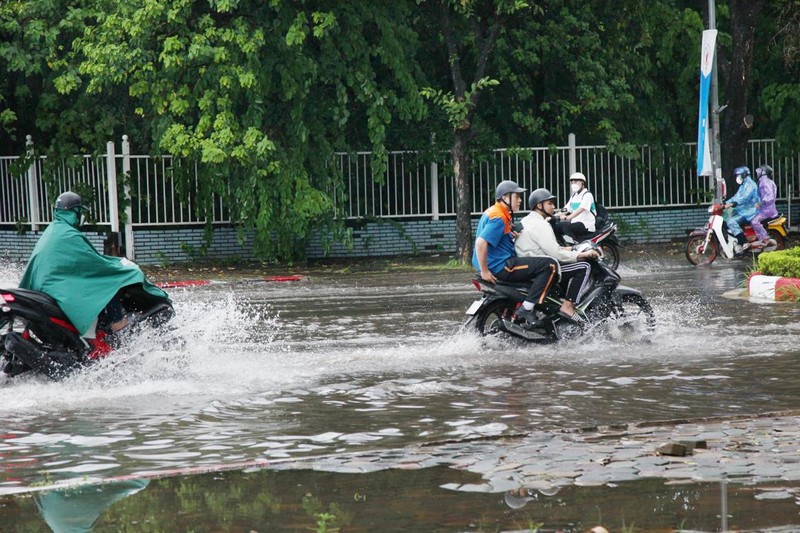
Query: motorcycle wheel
x=487, y=320
x=636, y=313
x=693, y=253
x=610, y=255
x=779, y=240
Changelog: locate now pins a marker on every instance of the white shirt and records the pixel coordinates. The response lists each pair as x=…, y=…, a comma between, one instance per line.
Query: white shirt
x=583, y=199
x=537, y=238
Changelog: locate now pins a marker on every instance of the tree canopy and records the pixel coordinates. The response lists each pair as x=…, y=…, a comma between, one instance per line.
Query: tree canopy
x=263, y=93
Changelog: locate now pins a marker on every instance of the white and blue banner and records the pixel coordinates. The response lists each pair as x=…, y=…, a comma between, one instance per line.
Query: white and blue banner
x=707, y=51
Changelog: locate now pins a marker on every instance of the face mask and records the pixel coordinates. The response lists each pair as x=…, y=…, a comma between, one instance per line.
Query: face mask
x=576, y=187
x=739, y=180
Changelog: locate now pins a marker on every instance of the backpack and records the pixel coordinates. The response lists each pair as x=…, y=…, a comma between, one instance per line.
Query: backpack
x=601, y=216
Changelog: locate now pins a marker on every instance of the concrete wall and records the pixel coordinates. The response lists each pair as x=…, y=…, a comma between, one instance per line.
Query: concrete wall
x=18, y=247
x=370, y=239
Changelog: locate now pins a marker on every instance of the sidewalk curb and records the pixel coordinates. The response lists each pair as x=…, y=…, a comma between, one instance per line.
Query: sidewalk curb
x=186, y=283
x=773, y=288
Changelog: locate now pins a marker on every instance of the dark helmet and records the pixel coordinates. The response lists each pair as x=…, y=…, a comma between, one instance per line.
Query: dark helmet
x=744, y=172
x=70, y=200
x=538, y=196
x=764, y=170
x=507, y=187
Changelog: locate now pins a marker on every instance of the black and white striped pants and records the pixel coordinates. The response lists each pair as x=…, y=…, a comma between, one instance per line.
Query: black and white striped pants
x=574, y=279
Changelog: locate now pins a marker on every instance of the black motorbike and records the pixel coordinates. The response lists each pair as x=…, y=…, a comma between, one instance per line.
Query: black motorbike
x=605, y=237
x=36, y=335
x=604, y=301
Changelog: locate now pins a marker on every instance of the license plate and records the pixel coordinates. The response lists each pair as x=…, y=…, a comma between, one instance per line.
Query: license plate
x=475, y=306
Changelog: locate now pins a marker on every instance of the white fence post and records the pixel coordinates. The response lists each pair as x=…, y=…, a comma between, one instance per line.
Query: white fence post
x=33, y=186
x=573, y=165
x=113, y=207
x=111, y=174
x=435, y=190
x=130, y=251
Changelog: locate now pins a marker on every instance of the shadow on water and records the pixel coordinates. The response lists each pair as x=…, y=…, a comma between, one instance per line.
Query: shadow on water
x=392, y=501
x=378, y=362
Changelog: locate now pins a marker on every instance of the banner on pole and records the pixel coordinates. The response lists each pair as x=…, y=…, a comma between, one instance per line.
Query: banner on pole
x=707, y=51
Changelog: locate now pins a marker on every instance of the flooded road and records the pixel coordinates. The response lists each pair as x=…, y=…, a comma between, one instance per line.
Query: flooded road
x=338, y=363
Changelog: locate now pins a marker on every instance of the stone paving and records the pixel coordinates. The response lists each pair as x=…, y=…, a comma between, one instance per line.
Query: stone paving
x=747, y=450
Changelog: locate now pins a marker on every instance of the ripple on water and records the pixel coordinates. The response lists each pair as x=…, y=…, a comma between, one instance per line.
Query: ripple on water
x=239, y=379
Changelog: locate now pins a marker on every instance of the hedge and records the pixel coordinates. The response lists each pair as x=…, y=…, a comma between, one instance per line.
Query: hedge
x=785, y=263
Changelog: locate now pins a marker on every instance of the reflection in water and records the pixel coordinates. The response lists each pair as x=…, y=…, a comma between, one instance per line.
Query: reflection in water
x=414, y=500
x=76, y=510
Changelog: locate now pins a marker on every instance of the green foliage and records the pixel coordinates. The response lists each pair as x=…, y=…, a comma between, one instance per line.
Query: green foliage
x=457, y=108
x=781, y=102
x=596, y=70
x=261, y=94
x=785, y=263
x=327, y=520
x=40, y=95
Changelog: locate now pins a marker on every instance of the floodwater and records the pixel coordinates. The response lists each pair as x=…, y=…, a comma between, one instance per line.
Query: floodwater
x=270, y=372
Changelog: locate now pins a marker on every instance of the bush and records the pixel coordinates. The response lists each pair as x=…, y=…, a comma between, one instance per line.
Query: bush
x=784, y=263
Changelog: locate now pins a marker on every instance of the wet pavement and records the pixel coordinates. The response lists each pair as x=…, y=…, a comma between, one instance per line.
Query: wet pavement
x=748, y=450
x=362, y=372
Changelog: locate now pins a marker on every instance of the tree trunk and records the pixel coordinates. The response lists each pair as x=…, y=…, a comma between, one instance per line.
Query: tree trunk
x=485, y=32
x=734, y=134
x=461, y=171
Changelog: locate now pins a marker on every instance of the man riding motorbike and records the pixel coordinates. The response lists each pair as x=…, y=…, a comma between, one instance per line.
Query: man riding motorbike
x=537, y=238
x=494, y=257
x=83, y=282
x=744, y=202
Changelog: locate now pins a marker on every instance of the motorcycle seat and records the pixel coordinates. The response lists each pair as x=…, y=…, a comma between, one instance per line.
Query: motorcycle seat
x=770, y=220
x=589, y=236
x=515, y=285
x=605, y=227
x=514, y=290
x=42, y=300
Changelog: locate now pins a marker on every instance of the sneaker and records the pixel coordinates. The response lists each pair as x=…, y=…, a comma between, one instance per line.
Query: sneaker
x=526, y=315
x=527, y=318
x=746, y=246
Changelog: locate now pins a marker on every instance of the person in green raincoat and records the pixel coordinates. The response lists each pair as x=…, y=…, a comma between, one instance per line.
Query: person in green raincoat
x=84, y=283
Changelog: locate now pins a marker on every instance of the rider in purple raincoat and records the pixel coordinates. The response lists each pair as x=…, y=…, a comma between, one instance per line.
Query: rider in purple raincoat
x=767, y=190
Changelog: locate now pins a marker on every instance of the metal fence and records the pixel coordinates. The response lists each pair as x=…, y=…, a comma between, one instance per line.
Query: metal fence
x=653, y=177
x=413, y=184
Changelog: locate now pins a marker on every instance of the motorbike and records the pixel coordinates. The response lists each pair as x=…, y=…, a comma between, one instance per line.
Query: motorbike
x=705, y=244
x=605, y=236
x=604, y=301
x=36, y=336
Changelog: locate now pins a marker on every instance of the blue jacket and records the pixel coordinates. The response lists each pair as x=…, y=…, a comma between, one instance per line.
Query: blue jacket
x=746, y=199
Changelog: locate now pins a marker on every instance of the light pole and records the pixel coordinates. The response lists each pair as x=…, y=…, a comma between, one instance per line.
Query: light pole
x=716, y=155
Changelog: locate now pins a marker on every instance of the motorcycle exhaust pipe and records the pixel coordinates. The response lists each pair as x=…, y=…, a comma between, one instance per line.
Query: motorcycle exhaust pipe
x=518, y=331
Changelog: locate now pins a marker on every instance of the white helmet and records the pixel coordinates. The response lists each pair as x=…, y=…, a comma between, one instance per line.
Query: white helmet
x=578, y=176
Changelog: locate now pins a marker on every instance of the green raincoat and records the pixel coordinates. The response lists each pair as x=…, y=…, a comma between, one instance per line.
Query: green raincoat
x=65, y=265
